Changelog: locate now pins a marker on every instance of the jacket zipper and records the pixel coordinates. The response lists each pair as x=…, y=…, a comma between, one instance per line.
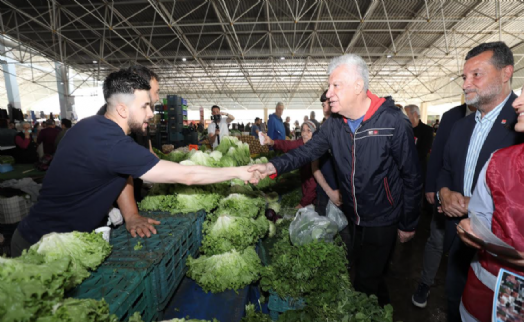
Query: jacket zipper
x=355, y=205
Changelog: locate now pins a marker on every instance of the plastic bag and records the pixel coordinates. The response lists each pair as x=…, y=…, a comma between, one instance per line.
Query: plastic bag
x=335, y=214
x=309, y=226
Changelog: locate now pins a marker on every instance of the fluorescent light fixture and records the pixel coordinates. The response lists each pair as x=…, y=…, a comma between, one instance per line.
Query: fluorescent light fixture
x=94, y=62
x=388, y=56
x=184, y=59
x=282, y=58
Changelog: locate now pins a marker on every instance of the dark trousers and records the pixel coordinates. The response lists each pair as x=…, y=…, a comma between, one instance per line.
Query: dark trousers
x=369, y=251
x=459, y=260
x=18, y=244
x=322, y=202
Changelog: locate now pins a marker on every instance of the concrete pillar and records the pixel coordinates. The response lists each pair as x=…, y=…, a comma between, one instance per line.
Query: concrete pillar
x=62, y=84
x=266, y=114
x=462, y=99
x=11, y=83
x=424, y=112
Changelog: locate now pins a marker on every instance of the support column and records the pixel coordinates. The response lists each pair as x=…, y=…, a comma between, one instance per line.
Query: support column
x=64, y=97
x=462, y=99
x=266, y=114
x=424, y=112
x=11, y=83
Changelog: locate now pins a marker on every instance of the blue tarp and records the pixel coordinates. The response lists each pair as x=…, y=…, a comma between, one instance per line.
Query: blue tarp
x=190, y=300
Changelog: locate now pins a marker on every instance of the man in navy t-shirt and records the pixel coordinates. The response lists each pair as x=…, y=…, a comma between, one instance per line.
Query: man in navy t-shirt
x=94, y=166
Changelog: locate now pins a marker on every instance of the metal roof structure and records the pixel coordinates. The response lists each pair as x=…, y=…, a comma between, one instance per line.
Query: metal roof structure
x=254, y=53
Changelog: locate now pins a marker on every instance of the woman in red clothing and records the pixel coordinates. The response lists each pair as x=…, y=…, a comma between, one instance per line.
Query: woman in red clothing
x=25, y=146
x=309, y=185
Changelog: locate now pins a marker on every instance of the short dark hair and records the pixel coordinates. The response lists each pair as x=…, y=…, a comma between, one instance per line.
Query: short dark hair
x=215, y=106
x=144, y=72
x=323, y=97
x=50, y=122
x=502, y=55
x=256, y=119
x=66, y=123
x=123, y=82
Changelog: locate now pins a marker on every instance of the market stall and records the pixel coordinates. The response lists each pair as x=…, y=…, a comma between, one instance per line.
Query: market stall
x=228, y=251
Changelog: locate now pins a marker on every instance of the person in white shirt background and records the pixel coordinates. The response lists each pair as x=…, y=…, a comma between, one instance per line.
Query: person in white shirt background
x=215, y=134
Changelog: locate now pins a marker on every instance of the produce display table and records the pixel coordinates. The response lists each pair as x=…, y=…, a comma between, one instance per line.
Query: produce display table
x=21, y=171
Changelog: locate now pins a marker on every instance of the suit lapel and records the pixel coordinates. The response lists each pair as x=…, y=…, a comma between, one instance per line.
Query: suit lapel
x=502, y=127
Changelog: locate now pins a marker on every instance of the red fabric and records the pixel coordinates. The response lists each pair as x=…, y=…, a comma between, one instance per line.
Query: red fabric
x=477, y=298
x=376, y=102
x=48, y=136
x=309, y=185
x=505, y=179
x=22, y=143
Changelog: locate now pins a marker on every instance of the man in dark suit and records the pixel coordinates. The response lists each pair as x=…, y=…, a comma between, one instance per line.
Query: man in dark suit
x=487, y=86
x=435, y=244
x=423, y=136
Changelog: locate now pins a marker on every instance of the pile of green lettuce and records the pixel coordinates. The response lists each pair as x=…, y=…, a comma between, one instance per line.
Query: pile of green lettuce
x=318, y=273
x=184, y=200
x=230, y=232
x=32, y=286
x=231, y=270
x=240, y=205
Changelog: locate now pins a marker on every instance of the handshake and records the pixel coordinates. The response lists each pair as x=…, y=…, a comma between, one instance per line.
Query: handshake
x=253, y=174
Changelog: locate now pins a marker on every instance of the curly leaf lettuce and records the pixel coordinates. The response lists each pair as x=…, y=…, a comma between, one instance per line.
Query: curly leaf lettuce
x=228, y=232
x=231, y=270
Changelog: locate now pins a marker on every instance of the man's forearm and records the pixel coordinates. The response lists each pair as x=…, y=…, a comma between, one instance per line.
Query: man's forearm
x=126, y=200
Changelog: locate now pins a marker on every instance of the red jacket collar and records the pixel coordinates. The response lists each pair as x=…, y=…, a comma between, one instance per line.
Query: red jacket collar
x=376, y=102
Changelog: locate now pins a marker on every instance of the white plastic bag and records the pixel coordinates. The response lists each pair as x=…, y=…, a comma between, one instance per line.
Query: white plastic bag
x=335, y=214
x=309, y=226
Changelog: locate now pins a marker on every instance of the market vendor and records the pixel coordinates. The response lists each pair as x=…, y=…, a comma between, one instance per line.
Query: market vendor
x=97, y=159
x=309, y=185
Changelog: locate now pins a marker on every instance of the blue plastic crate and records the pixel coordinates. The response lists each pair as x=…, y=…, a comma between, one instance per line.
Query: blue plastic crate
x=277, y=305
x=166, y=252
x=122, y=288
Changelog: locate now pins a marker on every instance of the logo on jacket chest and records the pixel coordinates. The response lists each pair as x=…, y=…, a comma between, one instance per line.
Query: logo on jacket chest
x=376, y=132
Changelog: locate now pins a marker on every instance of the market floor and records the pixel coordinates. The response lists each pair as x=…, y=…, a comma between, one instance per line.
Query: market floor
x=403, y=277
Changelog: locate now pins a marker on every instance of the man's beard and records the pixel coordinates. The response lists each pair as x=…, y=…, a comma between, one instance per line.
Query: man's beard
x=481, y=99
x=136, y=127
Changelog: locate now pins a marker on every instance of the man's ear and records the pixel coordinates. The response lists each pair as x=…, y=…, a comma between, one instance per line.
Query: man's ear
x=359, y=86
x=122, y=110
x=507, y=73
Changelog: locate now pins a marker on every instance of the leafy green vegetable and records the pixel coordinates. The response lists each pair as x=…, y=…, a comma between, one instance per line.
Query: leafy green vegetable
x=275, y=206
x=7, y=159
x=186, y=200
x=239, y=205
x=272, y=229
x=228, y=232
x=32, y=286
x=176, y=156
x=231, y=270
x=291, y=199
x=86, y=250
x=312, y=271
x=73, y=310
x=253, y=316
x=138, y=246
